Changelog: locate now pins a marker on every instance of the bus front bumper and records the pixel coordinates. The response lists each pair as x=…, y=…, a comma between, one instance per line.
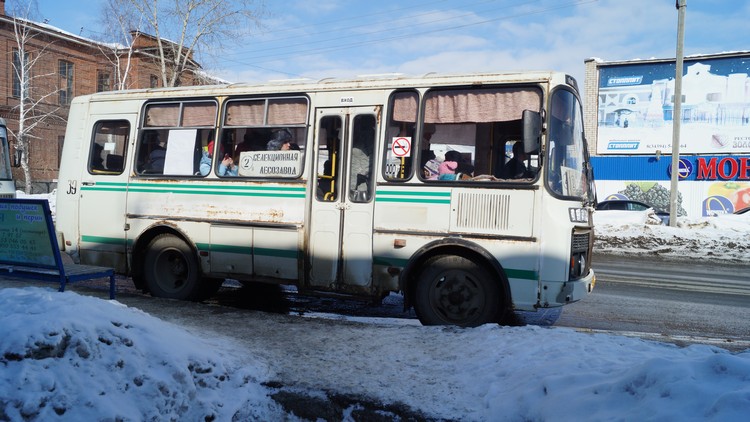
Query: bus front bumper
x=556, y=294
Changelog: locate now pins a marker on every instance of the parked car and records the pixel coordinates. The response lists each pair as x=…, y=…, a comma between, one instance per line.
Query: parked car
x=631, y=205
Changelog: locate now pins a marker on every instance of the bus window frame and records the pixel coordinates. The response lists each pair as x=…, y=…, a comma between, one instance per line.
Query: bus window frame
x=387, y=139
x=143, y=128
x=538, y=89
x=265, y=126
x=123, y=153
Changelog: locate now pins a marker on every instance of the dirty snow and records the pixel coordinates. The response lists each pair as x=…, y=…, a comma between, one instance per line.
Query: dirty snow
x=64, y=356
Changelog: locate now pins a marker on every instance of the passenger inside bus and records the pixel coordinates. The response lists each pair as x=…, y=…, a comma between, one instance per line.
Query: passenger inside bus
x=156, y=157
x=281, y=140
x=226, y=166
x=516, y=167
x=363, y=143
x=97, y=163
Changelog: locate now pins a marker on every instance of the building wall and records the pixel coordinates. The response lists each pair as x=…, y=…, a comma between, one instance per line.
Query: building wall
x=591, y=103
x=88, y=58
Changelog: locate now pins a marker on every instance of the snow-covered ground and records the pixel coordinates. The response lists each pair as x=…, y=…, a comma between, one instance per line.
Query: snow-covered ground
x=723, y=239
x=64, y=356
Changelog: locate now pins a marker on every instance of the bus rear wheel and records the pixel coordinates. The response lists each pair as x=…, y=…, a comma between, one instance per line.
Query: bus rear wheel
x=170, y=269
x=453, y=290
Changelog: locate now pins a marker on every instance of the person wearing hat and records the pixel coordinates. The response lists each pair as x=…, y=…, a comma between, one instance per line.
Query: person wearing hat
x=281, y=141
x=226, y=167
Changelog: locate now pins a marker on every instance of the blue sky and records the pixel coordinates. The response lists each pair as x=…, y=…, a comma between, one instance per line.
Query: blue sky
x=345, y=38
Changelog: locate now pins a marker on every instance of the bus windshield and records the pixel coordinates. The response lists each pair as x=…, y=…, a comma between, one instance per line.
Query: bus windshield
x=566, y=173
x=5, y=173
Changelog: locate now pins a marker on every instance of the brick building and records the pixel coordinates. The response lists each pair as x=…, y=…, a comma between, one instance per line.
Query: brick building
x=67, y=65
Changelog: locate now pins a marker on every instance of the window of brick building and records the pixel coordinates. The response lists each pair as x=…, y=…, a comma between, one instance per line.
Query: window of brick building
x=65, y=82
x=103, y=81
x=153, y=81
x=60, y=141
x=17, y=74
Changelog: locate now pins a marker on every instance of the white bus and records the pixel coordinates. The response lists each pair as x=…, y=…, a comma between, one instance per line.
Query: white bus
x=7, y=185
x=356, y=187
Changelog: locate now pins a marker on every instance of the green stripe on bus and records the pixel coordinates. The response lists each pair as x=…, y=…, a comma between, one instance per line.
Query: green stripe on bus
x=119, y=241
x=276, y=253
x=522, y=274
x=242, y=250
x=413, y=193
x=415, y=196
x=219, y=192
x=390, y=262
x=257, y=191
x=401, y=263
x=209, y=187
x=416, y=200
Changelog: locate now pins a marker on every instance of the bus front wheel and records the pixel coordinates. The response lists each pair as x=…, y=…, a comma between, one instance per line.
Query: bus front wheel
x=453, y=290
x=171, y=269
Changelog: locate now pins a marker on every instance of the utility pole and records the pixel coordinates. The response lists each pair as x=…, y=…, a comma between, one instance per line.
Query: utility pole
x=681, y=5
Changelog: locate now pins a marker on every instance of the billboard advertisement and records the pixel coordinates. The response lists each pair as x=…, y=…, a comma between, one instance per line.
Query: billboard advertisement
x=708, y=185
x=636, y=105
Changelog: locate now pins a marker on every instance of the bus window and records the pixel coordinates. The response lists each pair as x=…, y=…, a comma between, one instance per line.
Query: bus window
x=566, y=175
x=109, y=146
x=174, y=137
x=402, y=120
x=265, y=124
x=467, y=132
x=328, y=158
x=363, y=145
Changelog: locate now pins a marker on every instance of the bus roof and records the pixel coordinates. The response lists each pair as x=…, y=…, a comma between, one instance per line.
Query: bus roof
x=384, y=81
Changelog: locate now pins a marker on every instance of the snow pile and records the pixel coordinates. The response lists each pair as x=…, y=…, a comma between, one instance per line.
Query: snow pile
x=71, y=357
x=723, y=238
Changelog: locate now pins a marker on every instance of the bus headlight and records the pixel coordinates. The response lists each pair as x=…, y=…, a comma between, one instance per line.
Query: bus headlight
x=579, y=215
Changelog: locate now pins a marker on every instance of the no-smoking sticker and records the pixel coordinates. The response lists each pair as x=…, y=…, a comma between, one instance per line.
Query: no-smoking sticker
x=401, y=146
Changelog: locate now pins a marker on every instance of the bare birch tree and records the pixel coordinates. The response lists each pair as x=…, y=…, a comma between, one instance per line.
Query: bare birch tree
x=184, y=28
x=33, y=87
x=117, y=42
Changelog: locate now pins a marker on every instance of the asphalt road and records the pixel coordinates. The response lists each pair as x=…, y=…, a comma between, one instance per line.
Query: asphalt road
x=664, y=301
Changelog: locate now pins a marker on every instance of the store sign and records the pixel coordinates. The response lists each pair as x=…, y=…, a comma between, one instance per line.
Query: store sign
x=728, y=168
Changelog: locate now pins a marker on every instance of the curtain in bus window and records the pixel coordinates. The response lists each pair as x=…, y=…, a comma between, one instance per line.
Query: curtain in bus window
x=162, y=115
x=199, y=114
x=405, y=107
x=480, y=105
x=292, y=111
x=245, y=113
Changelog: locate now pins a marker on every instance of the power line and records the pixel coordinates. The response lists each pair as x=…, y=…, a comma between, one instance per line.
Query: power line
x=404, y=18
x=315, y=51
x=360, y=25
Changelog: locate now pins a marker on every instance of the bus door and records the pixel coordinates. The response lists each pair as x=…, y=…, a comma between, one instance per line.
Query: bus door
x=103, y=190
x=341, y=214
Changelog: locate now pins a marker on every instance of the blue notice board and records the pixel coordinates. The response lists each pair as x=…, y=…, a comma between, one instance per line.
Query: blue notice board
x=25, y=233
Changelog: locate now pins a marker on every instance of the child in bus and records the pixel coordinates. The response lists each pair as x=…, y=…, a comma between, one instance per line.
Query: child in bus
x=226, y=167
x=447, y=170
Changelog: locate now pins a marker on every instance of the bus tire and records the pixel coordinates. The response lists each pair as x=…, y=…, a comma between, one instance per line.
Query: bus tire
x=170, y=269
x=453, y=290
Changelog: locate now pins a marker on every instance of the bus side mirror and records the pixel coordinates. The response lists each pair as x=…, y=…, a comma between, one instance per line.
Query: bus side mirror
x=532, y=131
